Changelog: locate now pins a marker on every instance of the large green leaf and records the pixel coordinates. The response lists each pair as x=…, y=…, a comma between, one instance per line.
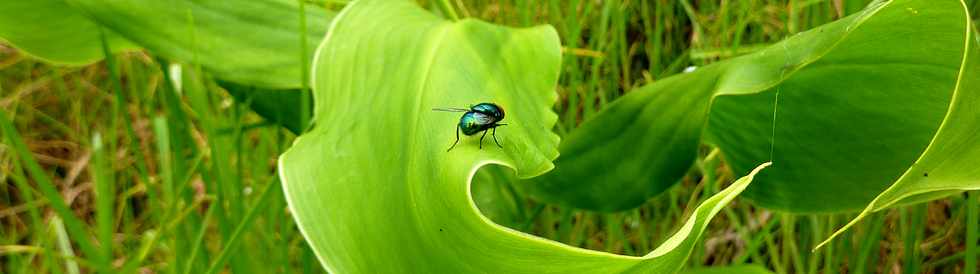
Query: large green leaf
x=255, y=47
x=634, y=149
x=950, y=161
x=372, y=186
x=861, y=102
x=247, y=42
x=53, y=31
x=256, y=42
x=852, y=122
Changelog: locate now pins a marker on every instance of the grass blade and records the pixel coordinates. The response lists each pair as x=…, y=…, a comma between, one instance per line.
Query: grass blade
x=75, y=226
x=198, y=240
x=64, y=245
x=246, y=222
x=104, y=196
x=972, y=221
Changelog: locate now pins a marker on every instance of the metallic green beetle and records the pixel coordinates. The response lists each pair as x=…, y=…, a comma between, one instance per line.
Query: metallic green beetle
x=480, y=117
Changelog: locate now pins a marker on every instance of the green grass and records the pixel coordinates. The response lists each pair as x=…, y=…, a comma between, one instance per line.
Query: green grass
x=114, y=167
x=206, y=199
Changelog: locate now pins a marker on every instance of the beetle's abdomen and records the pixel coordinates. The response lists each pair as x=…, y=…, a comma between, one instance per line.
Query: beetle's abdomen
x=473, y=122
x=490, y=109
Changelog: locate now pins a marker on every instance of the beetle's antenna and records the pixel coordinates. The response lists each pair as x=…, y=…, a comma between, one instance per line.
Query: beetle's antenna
x=451, y=109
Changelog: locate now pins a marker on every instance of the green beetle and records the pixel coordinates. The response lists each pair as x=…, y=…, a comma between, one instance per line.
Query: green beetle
x=480, y=117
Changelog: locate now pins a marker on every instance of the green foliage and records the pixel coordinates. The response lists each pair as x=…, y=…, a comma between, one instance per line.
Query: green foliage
x=804, y=104
x=390, y=159
x=54, y=31
x=743, y=269
x=248, y=42
x=948, y=163
x=143, y=164
x=261, y=47
x=47, y=188
x=282, y=107
x=884, y=113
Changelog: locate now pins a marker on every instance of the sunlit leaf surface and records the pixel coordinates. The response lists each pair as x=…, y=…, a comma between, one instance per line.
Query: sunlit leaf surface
x=257, y=48
x=372, y=186
x=55, y=32
x=877, y=99
x=248, y=42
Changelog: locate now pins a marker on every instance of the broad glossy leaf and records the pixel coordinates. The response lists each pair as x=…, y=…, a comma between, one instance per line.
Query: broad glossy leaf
x=950, y=161
x=256, y=42
x=252, y=46
x=638, y=146
x=246, y=42
x=372, y=186
x=863, y=103
x=851, y=123
x=55, y=32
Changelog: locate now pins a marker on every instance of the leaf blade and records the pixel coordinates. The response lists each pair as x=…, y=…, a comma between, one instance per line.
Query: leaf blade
x=371, y=186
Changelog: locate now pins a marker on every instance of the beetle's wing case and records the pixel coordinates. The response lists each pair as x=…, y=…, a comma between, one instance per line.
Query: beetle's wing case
x=490, y=109
x=486, y=108
x=483, y=119
x=473, y=122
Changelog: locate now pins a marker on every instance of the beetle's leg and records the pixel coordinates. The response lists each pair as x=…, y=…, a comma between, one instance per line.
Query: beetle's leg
x=494, y=134
x=457, y=139
x=481, y=138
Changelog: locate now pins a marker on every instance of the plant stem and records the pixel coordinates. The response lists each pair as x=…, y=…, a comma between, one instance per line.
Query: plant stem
x=972, y=206
x=305, y=101
x=913, y=237
x=869, y=243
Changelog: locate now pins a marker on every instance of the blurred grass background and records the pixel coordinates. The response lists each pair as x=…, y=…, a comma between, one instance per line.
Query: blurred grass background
x=166, y=175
